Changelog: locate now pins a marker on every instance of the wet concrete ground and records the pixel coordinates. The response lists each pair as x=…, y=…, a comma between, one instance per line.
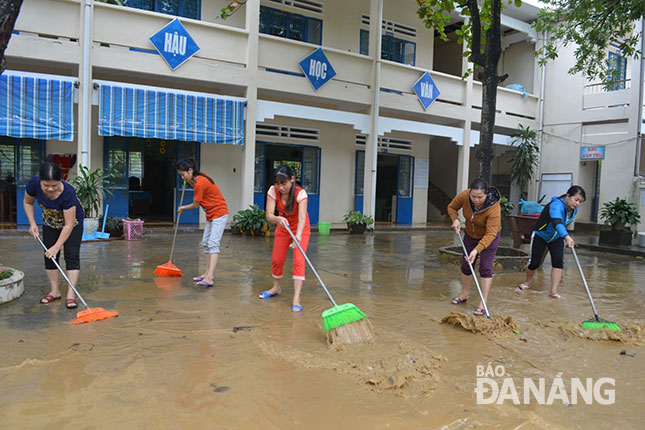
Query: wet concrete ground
x=180, y=356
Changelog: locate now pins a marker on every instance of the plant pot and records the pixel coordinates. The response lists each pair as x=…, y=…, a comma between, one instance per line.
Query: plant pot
x=616, y=238
x=12, y=287
x=356, y=228
x=236, y=231
x=254, y=232
x=90, y=226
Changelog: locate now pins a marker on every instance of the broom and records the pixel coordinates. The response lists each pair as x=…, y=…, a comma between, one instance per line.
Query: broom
x=598, y=323
x=472, y=271
x=339, y=315
x=170, y=269
x=89, y=314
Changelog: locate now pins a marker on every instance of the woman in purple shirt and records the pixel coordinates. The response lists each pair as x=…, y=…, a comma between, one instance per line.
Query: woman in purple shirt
x=62, y=226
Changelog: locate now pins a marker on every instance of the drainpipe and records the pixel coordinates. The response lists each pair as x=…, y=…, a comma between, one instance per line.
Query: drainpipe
x=371, y=147
x=639, y=118
x=541, y=123
x=86, y=87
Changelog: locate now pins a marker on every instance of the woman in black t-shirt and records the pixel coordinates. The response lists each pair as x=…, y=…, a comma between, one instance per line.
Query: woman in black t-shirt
x=62, y=226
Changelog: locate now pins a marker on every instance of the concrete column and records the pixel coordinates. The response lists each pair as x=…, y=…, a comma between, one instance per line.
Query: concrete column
x=463, y=160
x=84, y=143
x=248, y=152
x=371, y=144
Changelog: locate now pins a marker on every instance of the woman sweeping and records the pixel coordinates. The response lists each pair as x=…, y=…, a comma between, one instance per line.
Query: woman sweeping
x=207, y=195
x=481, y=208
x=62, y=227
x=550, y=233
x=290, y=201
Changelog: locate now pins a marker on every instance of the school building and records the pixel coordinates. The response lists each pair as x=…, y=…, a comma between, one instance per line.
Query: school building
x=360, y=98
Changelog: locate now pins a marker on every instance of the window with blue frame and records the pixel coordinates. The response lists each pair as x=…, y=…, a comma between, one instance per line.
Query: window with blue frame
x=618, y=66
x=392, y=48
x=183, y=8
x=290, y=25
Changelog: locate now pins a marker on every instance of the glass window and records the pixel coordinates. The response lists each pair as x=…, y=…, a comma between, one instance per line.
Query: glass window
x=297, y=26
x=405, y=176
x=392, y=48
x=136, y=164
x=289, y=25
x=311, y=158
x=314, y=31
x=365, y=42
x=116, y=161
x=7, y=163
x=30, y=156
x=618, y=64
x=258, y=182
x=278, y=23
x=183, y=8
x=360, y=172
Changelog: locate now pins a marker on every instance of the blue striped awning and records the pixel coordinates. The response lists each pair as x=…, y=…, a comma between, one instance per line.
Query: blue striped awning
x=36, y=106
x=151, y=112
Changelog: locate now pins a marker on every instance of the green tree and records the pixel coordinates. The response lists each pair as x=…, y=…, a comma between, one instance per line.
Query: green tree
x=526, y=156
x=9, y=10
x=482, y=34
x=591, y=26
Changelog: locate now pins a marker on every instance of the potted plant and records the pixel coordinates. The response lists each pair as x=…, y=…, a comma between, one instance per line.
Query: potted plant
x=250, y=222
x=11, y=284
x=357, y=222
x=524, y=160
x=89, y=185
x=506, y=206
x=617, y=215
x=113, y=226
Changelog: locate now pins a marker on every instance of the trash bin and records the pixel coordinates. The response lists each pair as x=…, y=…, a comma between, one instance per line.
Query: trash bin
x=324, y=228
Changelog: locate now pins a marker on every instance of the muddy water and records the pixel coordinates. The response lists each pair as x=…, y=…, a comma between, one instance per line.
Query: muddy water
x=183, y=357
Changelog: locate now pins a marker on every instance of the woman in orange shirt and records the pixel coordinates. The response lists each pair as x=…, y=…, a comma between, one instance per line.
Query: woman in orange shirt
x=209, y=197
x=290, y=200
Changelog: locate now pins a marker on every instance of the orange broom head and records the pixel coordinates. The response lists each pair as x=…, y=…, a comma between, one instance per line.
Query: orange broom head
x=93, y=314
x=168, y=269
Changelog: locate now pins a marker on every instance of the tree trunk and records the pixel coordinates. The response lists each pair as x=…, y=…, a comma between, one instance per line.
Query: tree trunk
x=490, y=80
x=9, y=10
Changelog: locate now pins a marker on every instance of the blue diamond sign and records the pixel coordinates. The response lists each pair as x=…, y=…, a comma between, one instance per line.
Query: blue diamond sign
x=174, y=44
x=426, y=90
x=317, y=68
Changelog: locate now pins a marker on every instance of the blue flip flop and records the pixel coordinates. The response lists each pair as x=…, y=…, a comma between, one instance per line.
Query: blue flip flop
x=479, y=312
x=204, y=284
x=266, y=295
x=198, y=278
x=296, y=308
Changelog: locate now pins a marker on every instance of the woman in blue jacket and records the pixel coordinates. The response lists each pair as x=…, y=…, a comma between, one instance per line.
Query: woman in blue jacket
x=550, y=231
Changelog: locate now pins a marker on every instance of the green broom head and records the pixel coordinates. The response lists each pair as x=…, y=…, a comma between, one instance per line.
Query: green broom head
x=341, y=315
x=600, y=325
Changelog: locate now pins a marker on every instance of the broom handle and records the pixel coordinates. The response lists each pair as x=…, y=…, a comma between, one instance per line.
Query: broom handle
x=181, y=202
x=311, y=265
x=63, y=273
x=472, y=271
x=584, y=280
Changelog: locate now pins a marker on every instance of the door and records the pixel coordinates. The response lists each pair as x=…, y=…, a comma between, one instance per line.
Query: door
x=304, y=160
x=358, y=181
x=404, y=189
x=30, y=154
x=186, y=150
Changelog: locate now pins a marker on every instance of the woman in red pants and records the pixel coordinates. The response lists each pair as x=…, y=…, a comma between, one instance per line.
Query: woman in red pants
x=290, y=200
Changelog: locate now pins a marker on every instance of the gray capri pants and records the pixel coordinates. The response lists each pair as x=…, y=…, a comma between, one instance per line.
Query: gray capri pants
x=213, y=234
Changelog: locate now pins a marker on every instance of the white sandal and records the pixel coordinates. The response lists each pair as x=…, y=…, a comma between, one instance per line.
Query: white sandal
x=523, y=287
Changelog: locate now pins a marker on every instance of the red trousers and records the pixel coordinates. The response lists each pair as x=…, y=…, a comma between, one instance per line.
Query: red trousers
x=280, y=248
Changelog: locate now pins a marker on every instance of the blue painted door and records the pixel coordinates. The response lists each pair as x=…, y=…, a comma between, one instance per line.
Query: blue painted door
x=29, y=155
x=116, y=161
x=186, y=150
x=259, y=183
x=311, y=180
x=404, y=189
x=358, y=181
